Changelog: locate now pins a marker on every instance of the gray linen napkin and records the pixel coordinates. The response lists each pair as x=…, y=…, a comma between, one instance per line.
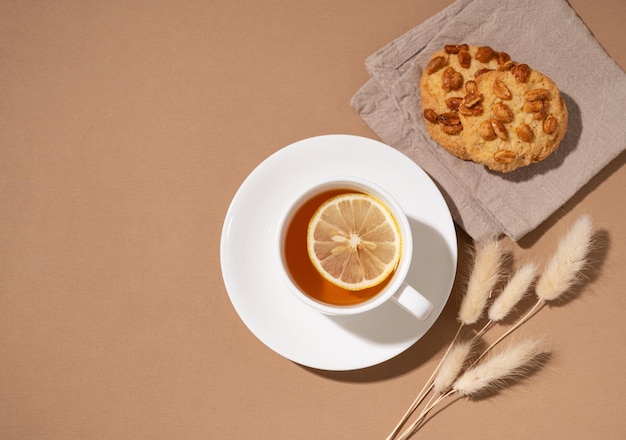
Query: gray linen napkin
x=550, y=37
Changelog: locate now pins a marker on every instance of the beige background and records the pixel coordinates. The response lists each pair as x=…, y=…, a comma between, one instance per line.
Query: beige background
x=125, y=130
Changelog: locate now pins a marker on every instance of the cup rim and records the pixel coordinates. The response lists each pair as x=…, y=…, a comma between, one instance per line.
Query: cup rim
x=361, y=184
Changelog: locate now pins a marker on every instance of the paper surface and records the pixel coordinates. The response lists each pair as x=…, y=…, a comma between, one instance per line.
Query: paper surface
x=551, y=38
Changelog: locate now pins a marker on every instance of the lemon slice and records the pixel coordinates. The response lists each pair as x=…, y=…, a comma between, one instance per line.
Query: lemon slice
x=354, y=241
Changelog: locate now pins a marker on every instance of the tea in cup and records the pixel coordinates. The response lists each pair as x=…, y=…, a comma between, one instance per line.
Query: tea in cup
x=339, y=271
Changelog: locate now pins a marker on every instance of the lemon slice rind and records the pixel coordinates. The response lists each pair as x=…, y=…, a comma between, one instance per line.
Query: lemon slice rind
x=354, y=241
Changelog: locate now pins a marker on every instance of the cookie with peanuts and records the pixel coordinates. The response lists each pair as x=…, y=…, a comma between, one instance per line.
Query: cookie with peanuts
x=481, y=106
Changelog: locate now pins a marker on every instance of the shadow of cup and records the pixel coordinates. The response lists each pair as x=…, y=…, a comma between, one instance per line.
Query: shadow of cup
x=433, y=267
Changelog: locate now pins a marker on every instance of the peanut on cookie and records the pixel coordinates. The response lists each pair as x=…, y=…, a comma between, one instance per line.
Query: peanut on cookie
x=482, y=106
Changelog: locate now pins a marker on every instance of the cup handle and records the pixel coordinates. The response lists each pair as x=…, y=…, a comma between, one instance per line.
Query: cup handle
x=413, y=301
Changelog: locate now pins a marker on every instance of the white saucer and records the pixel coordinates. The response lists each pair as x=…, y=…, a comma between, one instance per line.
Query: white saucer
x=250, y=267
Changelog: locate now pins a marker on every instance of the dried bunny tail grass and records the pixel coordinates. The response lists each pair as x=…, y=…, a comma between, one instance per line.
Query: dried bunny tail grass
x=515, y=361
x=563, y=269
x=485, y=274
x=513, y=292
x=452, y=365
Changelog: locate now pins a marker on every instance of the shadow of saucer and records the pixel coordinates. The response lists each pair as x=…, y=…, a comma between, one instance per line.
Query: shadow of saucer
x=432, y=273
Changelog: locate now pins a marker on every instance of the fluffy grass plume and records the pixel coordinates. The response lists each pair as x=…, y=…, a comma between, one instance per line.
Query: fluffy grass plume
x=452, y=365
x=513, y=292
x=485, y=274
x=512, y=362
x=563, y=269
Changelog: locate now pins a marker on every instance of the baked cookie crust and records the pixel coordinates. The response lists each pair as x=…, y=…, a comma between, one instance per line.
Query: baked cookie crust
x=481, y=106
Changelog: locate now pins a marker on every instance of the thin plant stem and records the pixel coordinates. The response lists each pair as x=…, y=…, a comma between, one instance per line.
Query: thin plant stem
x=429, y=404
x=425, y=390
x=483, y=330
x=418, y=400
x=415, y=425
x=420, y=397
x=521, y=321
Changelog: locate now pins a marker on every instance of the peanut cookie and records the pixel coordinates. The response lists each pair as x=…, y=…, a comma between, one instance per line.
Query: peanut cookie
x=482, y=106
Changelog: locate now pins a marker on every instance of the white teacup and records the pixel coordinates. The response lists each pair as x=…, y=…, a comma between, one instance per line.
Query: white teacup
x=293, y=257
